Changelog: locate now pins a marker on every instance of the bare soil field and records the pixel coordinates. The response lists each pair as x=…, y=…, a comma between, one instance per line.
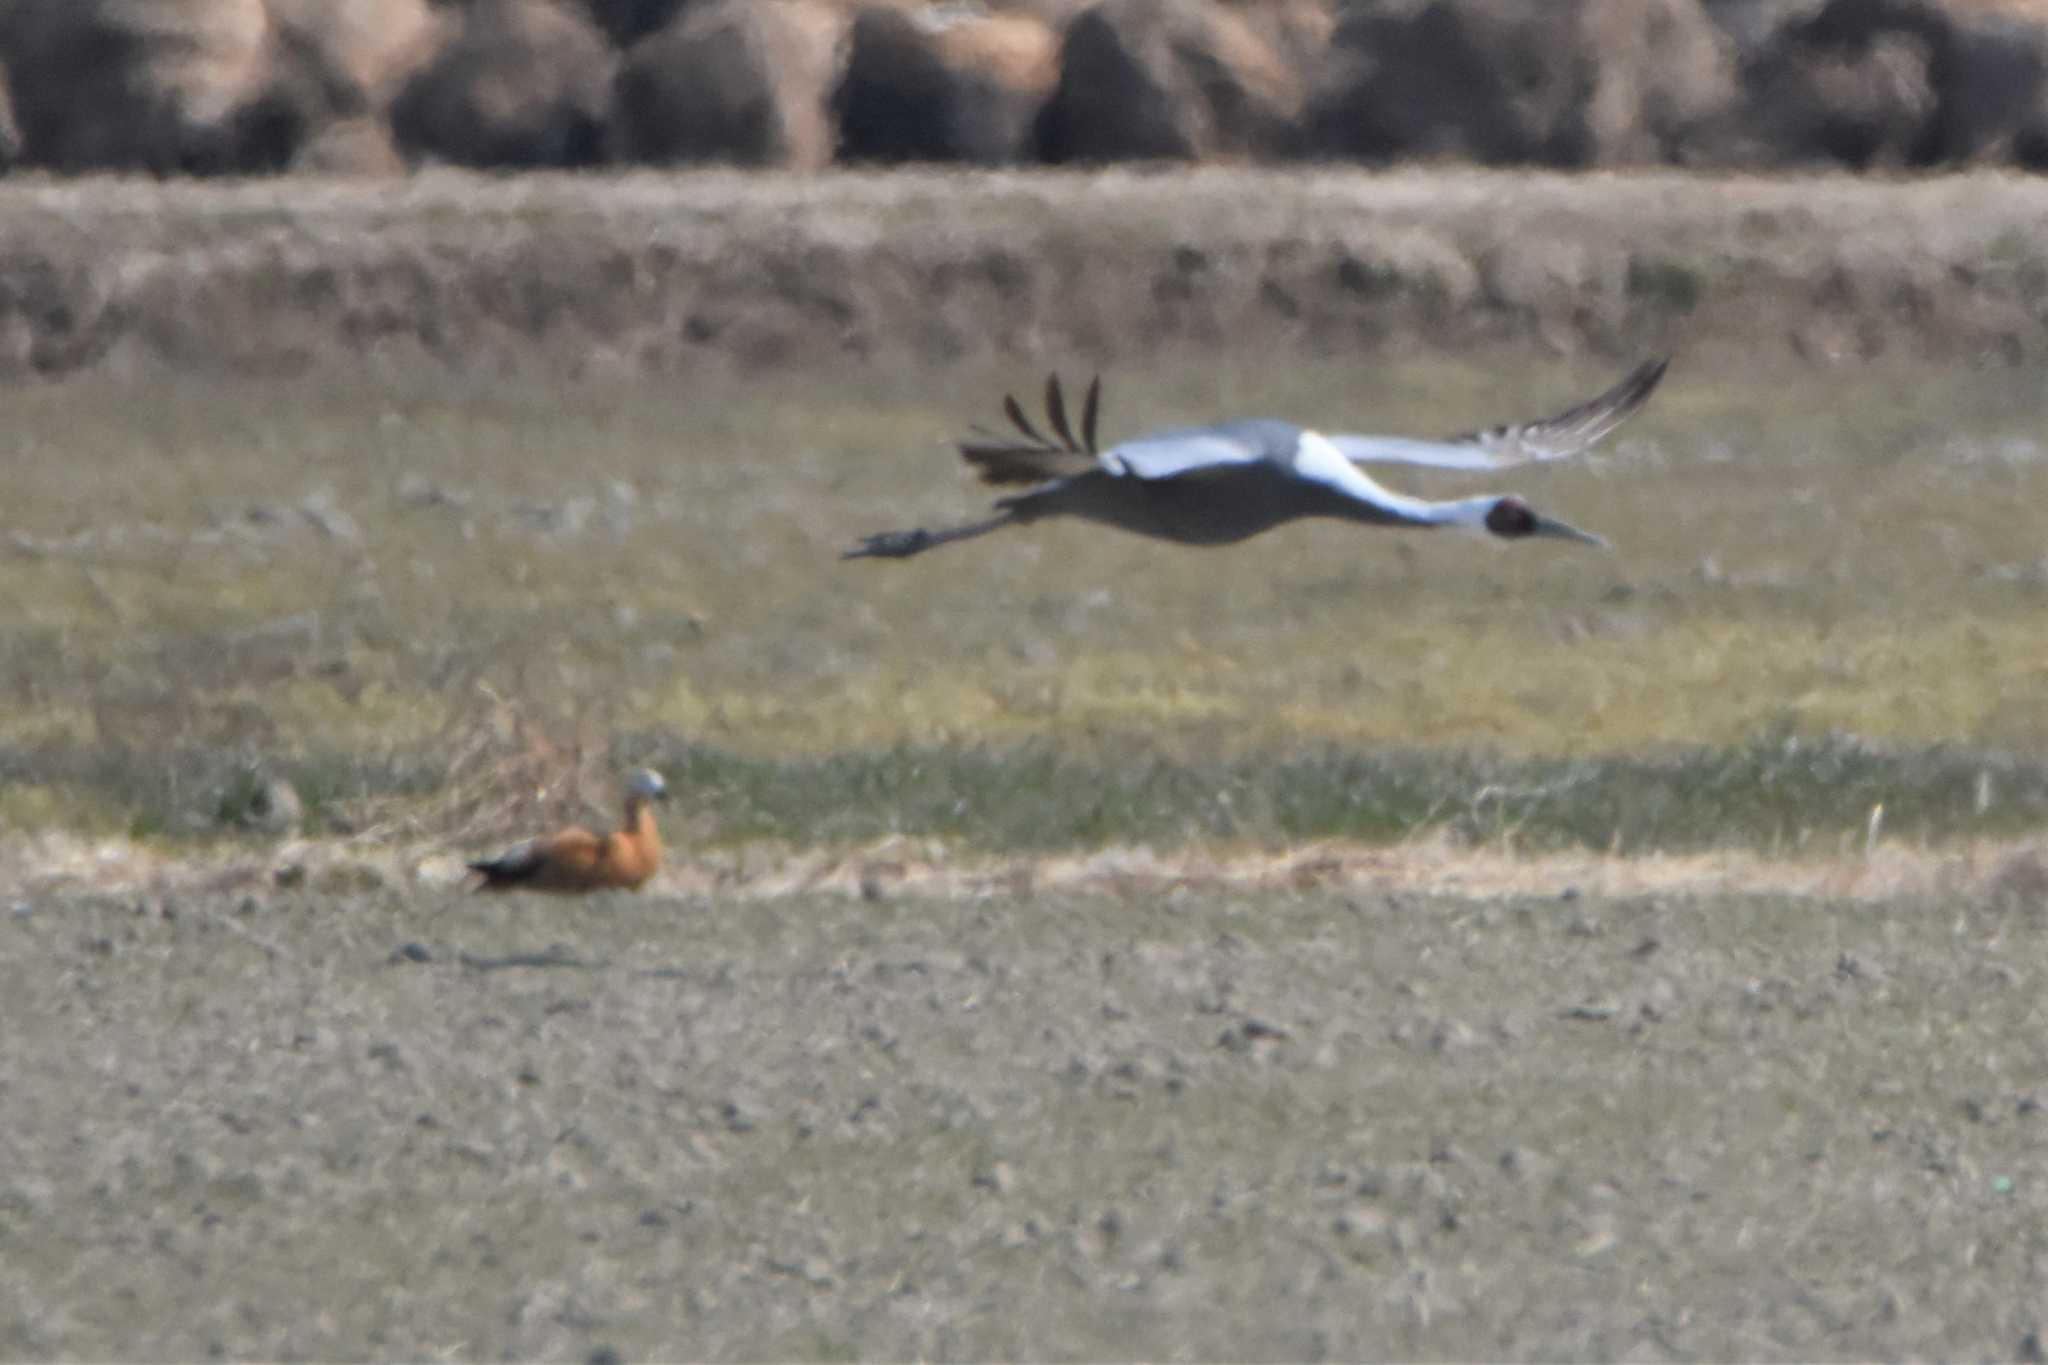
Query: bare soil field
x=329, y=1124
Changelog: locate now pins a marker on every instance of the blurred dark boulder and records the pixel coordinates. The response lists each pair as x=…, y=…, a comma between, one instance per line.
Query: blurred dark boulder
x=967, y=90
x=10, y=131
x=336, y=68
x=523, y=83
x=1564, y=83
x=1181, y=79
x=360, y=52
x=158, y=85
x=1053, y=13
x=1753, y=25
x=1864, y=104
x=626, y=22
x=357, y=147
x=1991, y=80
x=1869, y=83
x=739, y=81
x=1667, y=81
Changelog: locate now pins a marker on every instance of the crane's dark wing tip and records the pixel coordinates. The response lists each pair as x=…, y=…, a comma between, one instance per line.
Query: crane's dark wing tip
x=1627, y=394
x=1638, y=384
x=1581, y=426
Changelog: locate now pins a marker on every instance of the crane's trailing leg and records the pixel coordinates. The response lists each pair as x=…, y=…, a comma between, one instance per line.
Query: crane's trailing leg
x=904, y=544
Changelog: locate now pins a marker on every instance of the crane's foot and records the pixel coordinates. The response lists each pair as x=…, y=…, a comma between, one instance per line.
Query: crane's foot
x=892, y=545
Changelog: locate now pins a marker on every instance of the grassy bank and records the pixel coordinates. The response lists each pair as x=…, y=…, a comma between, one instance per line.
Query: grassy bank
x=419, y=602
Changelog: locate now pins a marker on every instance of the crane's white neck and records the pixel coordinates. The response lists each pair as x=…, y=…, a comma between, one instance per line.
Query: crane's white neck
x=1319, y=461
x=1465, y=514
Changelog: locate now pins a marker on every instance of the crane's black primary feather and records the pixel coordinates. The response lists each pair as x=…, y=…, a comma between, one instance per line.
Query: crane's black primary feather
x=1015, y=412
x=1090, y=409
x=1056, y=413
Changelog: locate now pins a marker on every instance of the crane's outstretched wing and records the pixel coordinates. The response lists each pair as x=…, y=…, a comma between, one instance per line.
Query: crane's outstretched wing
x=1571, y=432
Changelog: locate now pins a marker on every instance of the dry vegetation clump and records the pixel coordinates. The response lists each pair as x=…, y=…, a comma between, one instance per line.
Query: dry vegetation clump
x=506, y=770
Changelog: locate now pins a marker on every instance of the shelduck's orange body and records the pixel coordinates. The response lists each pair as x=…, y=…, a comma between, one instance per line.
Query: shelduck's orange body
x=574, y=859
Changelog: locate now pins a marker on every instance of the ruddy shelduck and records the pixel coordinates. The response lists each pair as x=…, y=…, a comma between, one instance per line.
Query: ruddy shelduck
x=574, y=859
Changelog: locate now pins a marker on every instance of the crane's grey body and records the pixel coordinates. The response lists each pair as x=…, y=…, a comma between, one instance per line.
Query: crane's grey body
x=1221, y=484
x=1216, y=504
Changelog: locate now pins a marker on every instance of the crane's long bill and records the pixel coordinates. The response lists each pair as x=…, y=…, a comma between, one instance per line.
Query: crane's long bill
x=1550, y=526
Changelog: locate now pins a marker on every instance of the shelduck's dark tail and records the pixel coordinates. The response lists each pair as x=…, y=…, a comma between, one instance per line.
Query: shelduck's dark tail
x=507, y=870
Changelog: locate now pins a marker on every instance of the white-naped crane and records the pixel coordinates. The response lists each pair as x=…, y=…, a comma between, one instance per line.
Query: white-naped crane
x=1217, y=485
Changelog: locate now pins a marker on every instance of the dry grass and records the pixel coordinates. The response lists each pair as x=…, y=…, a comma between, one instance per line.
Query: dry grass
x=668, y=275
x=330, y=577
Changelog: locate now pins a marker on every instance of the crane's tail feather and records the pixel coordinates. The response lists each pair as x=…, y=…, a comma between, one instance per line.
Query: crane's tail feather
x=1037, y=458
x=904, y=544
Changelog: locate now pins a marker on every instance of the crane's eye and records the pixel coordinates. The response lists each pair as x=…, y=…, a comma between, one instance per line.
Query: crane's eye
x=1511, y=519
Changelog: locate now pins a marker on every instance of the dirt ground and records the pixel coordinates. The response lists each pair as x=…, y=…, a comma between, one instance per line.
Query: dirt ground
x=1176, y=1125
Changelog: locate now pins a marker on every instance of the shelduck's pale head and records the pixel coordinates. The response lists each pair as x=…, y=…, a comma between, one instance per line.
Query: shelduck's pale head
x=646, y=784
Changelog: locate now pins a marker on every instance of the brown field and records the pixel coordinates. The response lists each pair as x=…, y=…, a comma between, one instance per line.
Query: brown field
x=1350, y=945
x=336, y=1125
